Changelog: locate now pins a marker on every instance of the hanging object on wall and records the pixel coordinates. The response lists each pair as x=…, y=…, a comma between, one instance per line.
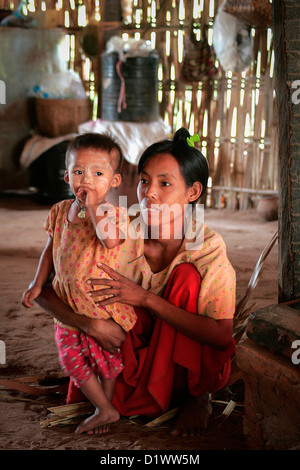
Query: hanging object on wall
x=88, y=39
x=126, y=6
x=199, y=59
x=254, y=13
x=18, y=19
x=232, y=42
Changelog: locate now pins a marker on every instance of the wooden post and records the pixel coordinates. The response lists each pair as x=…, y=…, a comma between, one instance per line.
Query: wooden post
x=286, y=29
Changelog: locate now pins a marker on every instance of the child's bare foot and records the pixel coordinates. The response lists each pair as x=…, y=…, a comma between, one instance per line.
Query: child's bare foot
x=193, y=417
x=99, y=422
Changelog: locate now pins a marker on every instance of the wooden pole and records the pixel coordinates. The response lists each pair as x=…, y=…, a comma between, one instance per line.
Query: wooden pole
x=286, y=27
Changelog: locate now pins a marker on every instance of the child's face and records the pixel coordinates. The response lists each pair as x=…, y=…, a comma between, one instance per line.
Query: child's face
x=91, y=169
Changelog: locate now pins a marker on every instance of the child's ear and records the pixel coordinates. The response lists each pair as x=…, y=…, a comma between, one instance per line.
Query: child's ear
x=116, y=181
x=66, y=177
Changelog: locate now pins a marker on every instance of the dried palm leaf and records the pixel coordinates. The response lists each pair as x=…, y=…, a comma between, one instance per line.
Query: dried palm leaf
x=66, y=421
x=41, y=378
x=223, y=402
x=163, y=418
x=241, y=325
x=30, y=389
x=67, y=414
x=227, y=412
x=7, y=396
x=66, y=410
x=229, y=408
x=240, y=312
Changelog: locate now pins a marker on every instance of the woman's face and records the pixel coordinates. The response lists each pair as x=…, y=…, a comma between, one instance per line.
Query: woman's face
x=162, y=191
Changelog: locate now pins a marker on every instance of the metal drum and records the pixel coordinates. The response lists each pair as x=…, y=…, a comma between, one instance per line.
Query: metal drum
x=140, y=76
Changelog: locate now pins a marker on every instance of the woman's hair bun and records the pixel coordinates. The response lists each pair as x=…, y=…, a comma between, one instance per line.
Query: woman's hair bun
x=192, y=163
x=181, y=135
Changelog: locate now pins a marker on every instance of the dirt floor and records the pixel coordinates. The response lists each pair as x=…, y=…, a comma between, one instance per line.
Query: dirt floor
x=31, y=350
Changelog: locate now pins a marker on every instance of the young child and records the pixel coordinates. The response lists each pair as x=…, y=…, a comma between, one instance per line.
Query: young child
x=83, y=232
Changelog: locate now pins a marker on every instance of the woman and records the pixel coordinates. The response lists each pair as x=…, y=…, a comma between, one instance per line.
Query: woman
x=183, y=291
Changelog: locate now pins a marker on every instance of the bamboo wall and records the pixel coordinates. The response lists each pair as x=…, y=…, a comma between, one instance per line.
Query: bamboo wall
x=234, y=114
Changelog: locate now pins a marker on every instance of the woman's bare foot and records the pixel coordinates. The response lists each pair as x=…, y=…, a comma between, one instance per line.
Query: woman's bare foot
x=99, y=422
x=193, y=417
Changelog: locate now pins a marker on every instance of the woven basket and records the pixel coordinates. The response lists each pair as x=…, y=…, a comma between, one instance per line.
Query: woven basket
x=253, y=13
x=61, y=117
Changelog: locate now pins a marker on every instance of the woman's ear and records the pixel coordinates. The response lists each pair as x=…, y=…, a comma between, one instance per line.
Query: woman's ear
x=66, y=177
x=195, y=191
x=116, y=181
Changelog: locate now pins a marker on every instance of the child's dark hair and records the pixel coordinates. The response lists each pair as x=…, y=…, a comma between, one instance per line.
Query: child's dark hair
x=96, y=141
x=192, y=163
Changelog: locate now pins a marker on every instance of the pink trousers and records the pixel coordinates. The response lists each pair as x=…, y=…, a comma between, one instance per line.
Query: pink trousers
x=80, y=356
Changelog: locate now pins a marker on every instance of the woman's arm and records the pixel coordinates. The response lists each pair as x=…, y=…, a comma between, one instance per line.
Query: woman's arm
x=206, y=330
x=108, y=333
x=216, y=333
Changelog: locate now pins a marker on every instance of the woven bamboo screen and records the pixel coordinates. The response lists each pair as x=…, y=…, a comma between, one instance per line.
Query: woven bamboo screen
x=233, y=114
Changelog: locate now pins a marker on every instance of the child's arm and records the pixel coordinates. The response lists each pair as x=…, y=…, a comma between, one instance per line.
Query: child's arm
x=107, y=231
x=44, y=269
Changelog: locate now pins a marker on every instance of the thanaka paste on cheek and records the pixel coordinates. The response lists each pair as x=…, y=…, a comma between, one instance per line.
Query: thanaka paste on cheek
x=103, y=183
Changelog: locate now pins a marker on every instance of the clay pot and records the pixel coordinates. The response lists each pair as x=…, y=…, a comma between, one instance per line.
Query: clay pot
x=267, y=207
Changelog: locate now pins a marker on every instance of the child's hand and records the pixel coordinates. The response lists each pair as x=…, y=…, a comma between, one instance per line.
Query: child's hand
x=30, y=294
x=87, y=197
x=81, y=196
x=90, y=197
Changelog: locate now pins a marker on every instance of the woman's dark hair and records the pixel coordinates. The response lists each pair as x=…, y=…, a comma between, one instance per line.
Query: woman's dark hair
x=192, y=163
x=96, y=141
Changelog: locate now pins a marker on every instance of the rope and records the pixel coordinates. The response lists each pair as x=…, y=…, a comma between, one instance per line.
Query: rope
x=122, y=96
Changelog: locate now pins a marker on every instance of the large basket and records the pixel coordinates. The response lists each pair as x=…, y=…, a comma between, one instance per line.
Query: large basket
x=61, y=117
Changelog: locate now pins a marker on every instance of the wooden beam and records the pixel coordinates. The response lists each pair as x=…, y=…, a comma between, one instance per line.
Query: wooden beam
x=287, y=217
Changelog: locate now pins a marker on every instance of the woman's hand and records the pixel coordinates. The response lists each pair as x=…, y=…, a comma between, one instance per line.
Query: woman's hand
x=119, y=288
x=107, y=333
x=205, y=330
